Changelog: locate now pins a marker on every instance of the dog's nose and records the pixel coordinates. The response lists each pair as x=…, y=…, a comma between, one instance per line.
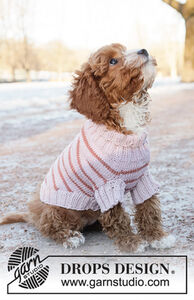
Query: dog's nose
x=143, y=51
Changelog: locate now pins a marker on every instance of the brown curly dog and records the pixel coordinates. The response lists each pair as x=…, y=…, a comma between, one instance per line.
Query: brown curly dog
x=107, y=159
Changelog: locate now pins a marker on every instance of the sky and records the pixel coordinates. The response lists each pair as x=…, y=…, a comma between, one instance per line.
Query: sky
x=89, y=24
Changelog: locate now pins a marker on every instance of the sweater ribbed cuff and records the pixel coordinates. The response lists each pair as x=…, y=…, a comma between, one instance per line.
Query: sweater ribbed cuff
x=110, y=194
x=145, y=189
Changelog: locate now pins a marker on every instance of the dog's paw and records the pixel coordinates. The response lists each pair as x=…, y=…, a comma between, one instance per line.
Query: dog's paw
x=75, y=240
x=167, y=241
x=133, y=244
x=142, y=247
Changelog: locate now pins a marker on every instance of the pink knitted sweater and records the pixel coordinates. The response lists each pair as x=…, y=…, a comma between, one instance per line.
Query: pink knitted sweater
x=97, y=169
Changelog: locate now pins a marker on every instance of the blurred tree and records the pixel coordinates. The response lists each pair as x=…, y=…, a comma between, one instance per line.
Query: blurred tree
x=16, y=49
x=9, y=57
x=56, y=57
x=27, y=58
x=187, y=11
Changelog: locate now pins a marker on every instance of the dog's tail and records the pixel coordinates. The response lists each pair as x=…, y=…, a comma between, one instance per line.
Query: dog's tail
x=15, y=218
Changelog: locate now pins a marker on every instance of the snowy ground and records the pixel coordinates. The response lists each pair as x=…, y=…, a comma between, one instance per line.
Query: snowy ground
x=35, y=127
x=28, y=109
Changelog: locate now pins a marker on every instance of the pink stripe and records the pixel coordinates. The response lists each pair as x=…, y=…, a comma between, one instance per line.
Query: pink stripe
x=63, y=179
x=132, y=180
x=96, y=171
x=80, y=165
x=73, y=180
x=54, y=182
x=104, y=163
x=74, y=172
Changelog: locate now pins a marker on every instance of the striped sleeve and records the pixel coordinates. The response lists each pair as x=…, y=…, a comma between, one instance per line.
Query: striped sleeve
x=145, y=189
x=110, y=194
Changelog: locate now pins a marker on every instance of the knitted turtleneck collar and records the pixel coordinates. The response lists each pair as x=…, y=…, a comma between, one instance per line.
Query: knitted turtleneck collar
x=100, y=134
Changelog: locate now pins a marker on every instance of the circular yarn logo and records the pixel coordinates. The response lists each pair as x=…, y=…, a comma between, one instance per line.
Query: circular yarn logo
x=28, y=268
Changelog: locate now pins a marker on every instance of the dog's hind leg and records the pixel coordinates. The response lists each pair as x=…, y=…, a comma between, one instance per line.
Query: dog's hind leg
x=59, y=229
x=149, y=224
x=116, y=224
x=60, y=224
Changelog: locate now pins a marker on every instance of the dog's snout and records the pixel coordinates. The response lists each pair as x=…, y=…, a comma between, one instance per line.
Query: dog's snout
x=143, y=51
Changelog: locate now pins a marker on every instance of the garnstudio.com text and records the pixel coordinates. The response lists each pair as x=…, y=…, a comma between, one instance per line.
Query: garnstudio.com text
x=120, y=282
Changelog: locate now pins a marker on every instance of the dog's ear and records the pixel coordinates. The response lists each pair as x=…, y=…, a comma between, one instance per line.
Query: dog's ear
x=99, y=63
x=87, y=97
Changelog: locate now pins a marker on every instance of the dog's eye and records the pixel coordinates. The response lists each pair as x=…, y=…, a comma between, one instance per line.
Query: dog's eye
x=113, y=61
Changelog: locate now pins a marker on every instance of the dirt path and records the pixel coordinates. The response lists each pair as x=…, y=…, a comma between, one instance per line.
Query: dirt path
x=25, y=161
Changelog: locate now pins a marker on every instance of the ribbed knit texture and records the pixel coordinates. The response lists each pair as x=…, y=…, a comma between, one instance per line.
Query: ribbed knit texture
x=97, y=169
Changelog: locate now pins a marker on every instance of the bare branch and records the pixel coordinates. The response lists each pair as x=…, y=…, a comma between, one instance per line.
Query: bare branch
x=175, y=4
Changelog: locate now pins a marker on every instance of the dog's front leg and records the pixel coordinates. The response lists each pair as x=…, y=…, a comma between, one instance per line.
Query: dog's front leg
x=149, y=224
x=116, y=224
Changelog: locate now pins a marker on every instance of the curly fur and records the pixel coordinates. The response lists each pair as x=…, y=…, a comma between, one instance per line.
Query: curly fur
x=149, y=224
x=98, y=89
x=116, y=224
x=56, y=222
x=148, y=219
x=110, y=95
x=136, y=114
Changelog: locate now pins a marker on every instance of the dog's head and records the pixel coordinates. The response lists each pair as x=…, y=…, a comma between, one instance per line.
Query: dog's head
x=111, y=75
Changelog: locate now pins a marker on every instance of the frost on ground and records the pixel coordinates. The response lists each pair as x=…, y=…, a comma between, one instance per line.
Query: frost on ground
x=34, y=129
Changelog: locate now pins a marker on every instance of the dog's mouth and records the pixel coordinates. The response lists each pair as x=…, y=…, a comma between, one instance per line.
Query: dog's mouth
x=149, y=73
x=153, y=61
x=150, y=60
